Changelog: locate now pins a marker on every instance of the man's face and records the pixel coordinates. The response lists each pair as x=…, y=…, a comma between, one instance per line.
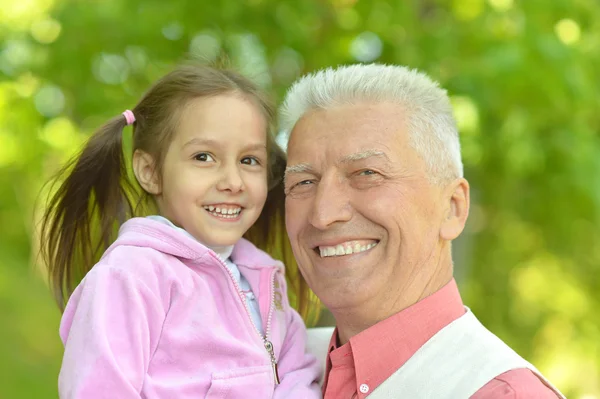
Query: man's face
x=362, y=217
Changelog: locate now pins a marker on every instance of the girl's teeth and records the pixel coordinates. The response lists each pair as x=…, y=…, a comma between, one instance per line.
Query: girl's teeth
x=223, y=212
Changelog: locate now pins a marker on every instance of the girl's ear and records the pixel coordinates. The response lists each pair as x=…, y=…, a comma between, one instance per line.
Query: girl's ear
x=145, y=173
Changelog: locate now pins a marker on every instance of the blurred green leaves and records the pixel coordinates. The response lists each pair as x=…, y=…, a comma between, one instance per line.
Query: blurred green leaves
x=523, y=78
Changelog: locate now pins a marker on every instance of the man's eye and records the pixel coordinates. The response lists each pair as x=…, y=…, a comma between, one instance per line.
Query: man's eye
x=252, y=161
x=367, y=172
x=304, y=183
x=204, y=157
x=299, y=187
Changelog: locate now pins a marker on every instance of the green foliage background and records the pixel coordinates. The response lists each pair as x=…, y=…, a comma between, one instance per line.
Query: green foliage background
x=524, y=78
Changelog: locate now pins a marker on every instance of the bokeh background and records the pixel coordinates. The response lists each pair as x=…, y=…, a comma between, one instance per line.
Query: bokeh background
x=524, y=78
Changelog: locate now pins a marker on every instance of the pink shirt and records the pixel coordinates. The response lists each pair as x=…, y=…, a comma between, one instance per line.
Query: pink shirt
x=372, y=356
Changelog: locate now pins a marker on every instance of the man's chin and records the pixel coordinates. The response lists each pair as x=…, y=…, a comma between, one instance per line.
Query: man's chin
x=343, y=296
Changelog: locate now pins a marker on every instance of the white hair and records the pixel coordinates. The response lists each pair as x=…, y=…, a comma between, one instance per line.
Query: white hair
x=432, y=128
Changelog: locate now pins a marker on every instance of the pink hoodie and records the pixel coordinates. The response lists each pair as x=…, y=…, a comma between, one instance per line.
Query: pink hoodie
x=160, y=316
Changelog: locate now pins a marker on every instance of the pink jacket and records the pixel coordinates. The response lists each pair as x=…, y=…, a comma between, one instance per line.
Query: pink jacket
x=161, y=317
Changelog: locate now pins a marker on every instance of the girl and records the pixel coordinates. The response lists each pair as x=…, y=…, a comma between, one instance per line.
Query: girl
x=180, y=305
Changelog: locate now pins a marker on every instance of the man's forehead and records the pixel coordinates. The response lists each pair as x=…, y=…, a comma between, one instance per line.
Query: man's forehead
x=370, y=131
x=361, y=113
x=358, y=123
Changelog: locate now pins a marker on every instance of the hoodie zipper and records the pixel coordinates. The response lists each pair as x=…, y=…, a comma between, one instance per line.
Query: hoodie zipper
x=265, y=338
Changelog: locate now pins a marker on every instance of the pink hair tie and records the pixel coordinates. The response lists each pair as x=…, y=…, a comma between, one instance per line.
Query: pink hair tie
x=129, y=116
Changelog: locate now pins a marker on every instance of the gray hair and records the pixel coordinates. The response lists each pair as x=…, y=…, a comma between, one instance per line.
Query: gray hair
x=433, y=131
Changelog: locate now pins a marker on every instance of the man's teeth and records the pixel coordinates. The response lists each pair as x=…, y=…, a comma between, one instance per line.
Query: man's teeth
x=224, y=212
x=346, y=248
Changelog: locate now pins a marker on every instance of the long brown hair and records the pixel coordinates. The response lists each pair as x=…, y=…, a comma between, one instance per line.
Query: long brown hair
x=100, y=193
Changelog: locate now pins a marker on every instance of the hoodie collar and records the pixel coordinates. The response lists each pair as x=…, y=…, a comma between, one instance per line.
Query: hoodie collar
x=154, y=234
x=224, y=251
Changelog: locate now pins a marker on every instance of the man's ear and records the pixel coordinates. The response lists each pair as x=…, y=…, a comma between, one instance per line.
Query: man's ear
x=457, y=194
x=145, y=172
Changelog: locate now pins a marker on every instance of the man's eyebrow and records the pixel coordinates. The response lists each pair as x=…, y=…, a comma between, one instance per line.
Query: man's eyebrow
x=357, y=156
x=298, y=168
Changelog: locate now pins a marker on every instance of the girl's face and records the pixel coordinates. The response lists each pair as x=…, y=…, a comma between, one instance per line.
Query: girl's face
x=214, y=177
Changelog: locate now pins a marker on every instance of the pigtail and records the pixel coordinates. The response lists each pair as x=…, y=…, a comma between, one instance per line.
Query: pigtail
x=83, y=215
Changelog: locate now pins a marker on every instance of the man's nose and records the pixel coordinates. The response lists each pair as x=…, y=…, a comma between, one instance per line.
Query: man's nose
x=331, y=204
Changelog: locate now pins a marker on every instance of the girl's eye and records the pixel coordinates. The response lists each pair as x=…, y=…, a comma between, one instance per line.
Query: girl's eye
x=252, y=161
x=204, y=157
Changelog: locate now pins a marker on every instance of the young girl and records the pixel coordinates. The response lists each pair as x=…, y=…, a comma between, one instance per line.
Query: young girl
x=180, y=305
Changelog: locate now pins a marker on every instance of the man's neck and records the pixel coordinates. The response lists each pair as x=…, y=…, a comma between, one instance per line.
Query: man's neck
x=352, y=321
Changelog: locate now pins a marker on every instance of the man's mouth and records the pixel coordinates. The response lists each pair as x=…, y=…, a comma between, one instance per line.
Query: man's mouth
x=346, y=248
x=224, y=211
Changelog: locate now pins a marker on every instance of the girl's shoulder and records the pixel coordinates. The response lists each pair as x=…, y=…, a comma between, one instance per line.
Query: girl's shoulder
x=150, y=253
x=142, y=265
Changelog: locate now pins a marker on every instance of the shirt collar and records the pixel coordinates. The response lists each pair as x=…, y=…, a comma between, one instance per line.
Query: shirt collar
x=377, y=352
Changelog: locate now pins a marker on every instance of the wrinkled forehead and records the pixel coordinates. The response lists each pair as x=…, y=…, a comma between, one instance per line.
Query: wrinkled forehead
x=348, y=132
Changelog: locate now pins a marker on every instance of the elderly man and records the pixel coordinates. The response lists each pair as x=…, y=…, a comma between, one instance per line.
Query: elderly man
x=375, y=195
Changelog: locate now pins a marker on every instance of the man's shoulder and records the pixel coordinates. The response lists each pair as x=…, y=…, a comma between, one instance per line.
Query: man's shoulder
x=515, y=384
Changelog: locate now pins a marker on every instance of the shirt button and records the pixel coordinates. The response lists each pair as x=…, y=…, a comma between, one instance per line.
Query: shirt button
x=364, y=388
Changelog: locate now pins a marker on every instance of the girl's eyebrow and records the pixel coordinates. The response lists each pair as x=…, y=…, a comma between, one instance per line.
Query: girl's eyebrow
x=200, y=141
x=254, y=147
x=214, y=143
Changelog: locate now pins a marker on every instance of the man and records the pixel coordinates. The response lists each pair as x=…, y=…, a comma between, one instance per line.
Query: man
x=375, y=195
